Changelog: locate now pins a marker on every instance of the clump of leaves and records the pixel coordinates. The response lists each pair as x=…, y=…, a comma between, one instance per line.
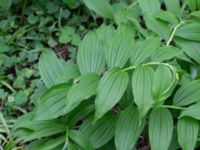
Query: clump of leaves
x=26, y=29
x=142, y=74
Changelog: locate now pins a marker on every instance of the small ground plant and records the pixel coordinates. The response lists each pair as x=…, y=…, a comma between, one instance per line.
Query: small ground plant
x=134, y=83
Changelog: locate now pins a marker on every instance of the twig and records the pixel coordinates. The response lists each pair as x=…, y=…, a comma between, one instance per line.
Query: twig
x=173, y=32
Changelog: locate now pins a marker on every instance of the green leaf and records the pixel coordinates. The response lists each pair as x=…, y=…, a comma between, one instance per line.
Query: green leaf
x=84, y=89
x=191, y=48
x=128, y=129
x=119, y=50
x=101, y=132
x=142, y=81
x=46, y=130
x=193, y=111
x=66, y=34
x=144, y=49
x=79, y=113
x=189, y=31
x=192, y=4
x=27, y=121
x=52, y=103
x=50, y=67
x=90, y=57
x=187, y=94
x=196, y=14
x=164, y=83
x=173, y=6
x=105, y=33
x=110, y=90
x=82, y=140
x=149, y=6
x=47, y=144
x=188, y=130
x=167, y=17
x=71, y=71
x=161, y=28
x=102, y=8
x=165, y=53
x=160, y=129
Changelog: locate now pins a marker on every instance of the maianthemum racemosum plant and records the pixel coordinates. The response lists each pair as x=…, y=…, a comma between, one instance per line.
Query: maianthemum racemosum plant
x=128, y=81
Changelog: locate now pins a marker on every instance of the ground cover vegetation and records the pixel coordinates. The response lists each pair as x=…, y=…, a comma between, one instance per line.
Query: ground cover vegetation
x=99, y=74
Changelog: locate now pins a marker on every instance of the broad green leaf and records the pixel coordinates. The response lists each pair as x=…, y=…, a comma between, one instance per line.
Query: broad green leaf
x=105, y=33
x=188, y=130
x=110, y=90
x=142, y=81
x=191, y=48
x=167, y=17
x=84, y=89
x=79, y=113
x=193, y=111
x=119, y=50
x=192, y=4
x=50, y=68
x=47, y=144
x=173, y=6
x=196, y=14
x=90, y=57
x=127, y=28
x=102, y=8
x=71, y=71
x=189, y=31
x=128, y=129
x=187, y=94
x=159, y=27
x=47, y=130
x=80, y=139
x=164, y=83
x=52, y=103
x=144, y=49
x=149, y=6
x=165, y=53
x=27, y=122
x=160, y=129
x=101, y=132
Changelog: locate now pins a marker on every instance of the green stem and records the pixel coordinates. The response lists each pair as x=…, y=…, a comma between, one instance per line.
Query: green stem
x=173, y=32
x=60, y=19
x=8, y=86
x=147, y=64
x=4, y=124
x=23, y=9
x=173, y=107
x=132, y=5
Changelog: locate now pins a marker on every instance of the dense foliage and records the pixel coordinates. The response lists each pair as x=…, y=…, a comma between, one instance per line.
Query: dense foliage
x=134, y=82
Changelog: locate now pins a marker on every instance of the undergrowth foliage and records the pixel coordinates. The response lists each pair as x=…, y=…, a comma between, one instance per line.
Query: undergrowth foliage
x=136, y=76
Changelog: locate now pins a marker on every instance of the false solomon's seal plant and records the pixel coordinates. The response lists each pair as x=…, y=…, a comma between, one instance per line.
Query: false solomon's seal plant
x=139, y=78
